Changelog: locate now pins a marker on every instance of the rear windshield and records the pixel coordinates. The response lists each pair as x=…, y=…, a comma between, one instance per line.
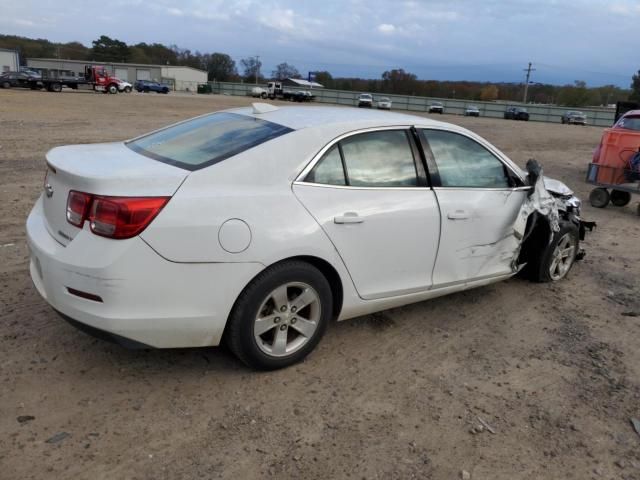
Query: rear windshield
x=630, y=123
x=203, y=141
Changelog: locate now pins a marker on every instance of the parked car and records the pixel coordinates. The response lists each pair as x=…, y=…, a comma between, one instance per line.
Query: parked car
x=436, y=107
x=574, y=117
x=123, y=86
x=516, y=113
x=365, y=100
x=384, y=103
x=147, y=86
x=261, y=225
x=472, y=111
x=18, y=79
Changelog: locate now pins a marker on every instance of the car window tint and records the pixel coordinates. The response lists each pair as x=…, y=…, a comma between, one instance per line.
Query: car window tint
x=463, y=162
x=328, y=170
x=206, y=140
x=379, y=159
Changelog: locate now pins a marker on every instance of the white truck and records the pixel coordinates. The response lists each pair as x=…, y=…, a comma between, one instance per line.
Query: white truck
x=275, y=90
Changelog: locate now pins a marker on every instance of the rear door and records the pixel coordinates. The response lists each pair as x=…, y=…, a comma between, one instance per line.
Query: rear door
x=368, y=191
x=480, y=198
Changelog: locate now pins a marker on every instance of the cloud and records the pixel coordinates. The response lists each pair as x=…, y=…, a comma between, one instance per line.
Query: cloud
x=386, y=28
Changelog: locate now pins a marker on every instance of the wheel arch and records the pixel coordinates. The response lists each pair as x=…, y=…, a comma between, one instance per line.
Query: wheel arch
x=328, y=270
x=537, y=237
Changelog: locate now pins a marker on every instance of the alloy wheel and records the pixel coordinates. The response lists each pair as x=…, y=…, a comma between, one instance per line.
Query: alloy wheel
x=563, y=257
x=287, y=319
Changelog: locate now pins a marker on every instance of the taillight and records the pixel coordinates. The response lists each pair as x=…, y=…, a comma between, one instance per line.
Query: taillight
x=121, y=217
x=113, y=217
x=77, y=207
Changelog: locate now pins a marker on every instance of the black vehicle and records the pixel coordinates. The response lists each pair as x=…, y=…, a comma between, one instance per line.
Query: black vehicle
x=516, y=113
x=18, y=79
x=147, y=86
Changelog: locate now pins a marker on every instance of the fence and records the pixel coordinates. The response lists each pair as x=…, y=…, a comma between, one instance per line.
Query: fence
x=600, y=117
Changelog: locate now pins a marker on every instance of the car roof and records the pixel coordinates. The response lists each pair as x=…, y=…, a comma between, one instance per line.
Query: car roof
x=631, y=113
x=298, y=118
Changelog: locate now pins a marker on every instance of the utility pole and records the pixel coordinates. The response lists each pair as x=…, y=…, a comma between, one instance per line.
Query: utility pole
x=526, y=83
x=257, y=67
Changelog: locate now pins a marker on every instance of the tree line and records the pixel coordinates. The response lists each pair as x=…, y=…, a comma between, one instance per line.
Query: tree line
x=221, y=67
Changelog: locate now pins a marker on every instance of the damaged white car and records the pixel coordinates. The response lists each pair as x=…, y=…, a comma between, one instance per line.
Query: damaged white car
x=261, y=225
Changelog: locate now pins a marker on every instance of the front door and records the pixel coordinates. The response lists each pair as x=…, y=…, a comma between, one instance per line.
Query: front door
x=480, y=198
x=369, y=194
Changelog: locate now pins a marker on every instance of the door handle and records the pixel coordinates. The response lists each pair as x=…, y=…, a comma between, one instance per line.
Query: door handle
x=348, y=217
x=458, y=215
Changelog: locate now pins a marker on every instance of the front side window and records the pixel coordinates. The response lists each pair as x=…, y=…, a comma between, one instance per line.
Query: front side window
x=463, y=162
x=203, y=141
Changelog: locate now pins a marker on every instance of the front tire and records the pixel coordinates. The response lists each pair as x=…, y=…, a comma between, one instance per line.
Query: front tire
x=280, y=316
x=559, y=256
x=6, y=85
x=127, y=89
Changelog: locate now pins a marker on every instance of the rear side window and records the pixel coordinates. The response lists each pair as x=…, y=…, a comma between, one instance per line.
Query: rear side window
x=203, y=141
x=373, y=159
x=329, y=170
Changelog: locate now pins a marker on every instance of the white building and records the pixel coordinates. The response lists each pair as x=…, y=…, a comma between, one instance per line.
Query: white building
x=184, y=78
x=9, y=60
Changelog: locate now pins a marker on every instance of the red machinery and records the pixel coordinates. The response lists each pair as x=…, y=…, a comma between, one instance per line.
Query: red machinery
x=616, y=163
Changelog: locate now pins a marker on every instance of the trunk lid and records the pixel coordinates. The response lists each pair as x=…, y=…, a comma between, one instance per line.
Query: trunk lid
x=101, y=169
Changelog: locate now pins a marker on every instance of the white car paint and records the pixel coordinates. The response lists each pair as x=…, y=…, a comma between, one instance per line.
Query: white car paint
x=384, y=104
x=175, y=284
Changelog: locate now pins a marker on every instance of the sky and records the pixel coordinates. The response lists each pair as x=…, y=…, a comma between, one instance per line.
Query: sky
x=483, y=40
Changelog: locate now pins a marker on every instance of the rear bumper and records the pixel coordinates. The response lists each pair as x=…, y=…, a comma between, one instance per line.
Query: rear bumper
x=144, y=298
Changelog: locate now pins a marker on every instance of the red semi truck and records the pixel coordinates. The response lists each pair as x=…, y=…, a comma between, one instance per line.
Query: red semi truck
x=96, y=77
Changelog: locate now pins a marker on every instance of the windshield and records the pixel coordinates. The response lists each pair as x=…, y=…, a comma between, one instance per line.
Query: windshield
x=384, y=99
x=203, y=141
x=630, y=123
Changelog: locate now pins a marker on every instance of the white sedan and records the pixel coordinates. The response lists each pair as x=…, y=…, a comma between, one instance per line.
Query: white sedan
x=384, y=103
x=261, y=225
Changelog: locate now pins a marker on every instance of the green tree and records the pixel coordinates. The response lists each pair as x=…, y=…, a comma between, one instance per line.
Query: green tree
x=284, y=71
x=635, y=88
x=106, y=49
x=398, y=81
x=325, y=79
x=221, y=67
x=251, y=69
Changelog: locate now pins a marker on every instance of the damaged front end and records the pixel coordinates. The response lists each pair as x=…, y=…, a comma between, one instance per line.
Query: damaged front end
x=548, y=204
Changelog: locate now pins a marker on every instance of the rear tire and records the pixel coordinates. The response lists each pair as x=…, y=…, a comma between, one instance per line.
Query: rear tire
x=6, y=85
x=559, y=256
x=127, y=89
x=599, y=197
x=620, y=198
x=112, y=89
x=265, y=327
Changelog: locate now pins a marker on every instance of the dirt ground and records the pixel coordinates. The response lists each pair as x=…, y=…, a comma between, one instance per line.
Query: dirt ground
x=553, y=369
